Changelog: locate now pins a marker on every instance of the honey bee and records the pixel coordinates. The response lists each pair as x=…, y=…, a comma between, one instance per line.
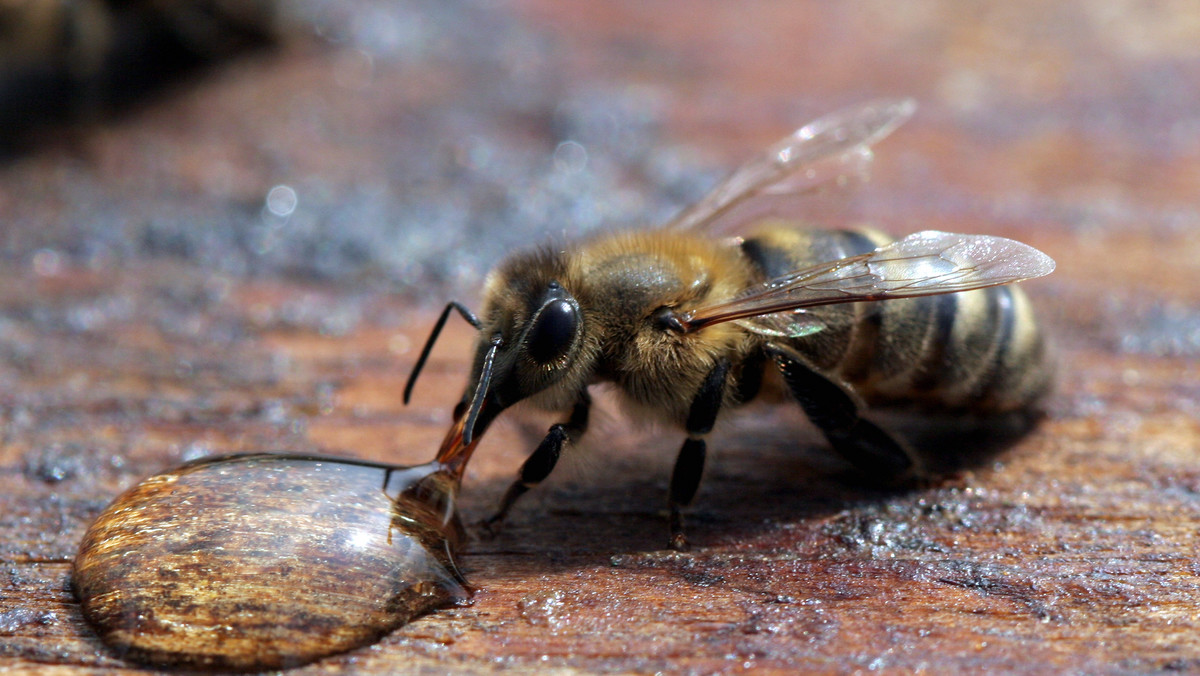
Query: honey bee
x=686, y=325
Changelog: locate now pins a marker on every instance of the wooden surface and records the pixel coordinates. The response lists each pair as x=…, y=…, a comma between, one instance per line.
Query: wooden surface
x=124, y=351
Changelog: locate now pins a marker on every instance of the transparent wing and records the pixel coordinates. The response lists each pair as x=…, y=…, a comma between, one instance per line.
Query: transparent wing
x=835, y=149
x=923, y=264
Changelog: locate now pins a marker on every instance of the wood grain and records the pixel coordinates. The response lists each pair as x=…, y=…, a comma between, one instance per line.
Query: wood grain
x=1072, y=548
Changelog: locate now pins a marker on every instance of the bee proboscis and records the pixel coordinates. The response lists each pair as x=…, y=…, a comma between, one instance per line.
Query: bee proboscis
x=686, y=325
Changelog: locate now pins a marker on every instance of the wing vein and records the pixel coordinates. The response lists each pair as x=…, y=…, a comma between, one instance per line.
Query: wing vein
x=923, y=264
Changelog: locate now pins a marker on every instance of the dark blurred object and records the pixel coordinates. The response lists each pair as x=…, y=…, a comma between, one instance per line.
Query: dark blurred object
x=61, y=60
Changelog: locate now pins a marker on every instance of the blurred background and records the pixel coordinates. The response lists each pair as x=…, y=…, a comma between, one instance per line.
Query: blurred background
x=224, y=225
x=404, y=146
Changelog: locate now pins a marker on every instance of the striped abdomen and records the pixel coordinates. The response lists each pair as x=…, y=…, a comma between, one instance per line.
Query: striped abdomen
x=977, y=350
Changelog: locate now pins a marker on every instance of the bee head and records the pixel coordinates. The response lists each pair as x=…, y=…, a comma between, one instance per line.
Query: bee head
x=531, y=340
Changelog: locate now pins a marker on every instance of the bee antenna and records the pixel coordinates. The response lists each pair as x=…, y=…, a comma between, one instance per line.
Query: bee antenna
x=481, y=389
x=433, y=336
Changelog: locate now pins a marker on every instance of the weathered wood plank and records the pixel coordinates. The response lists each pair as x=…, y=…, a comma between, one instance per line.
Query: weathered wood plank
x=1073, y=549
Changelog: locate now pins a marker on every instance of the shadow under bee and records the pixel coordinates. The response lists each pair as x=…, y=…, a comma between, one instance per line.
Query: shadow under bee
x=948, y=444
x=772, y=468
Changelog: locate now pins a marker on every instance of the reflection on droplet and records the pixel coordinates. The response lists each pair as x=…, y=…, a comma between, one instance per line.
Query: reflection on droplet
x=282, y=200
x=47, y=263
x=570, y=157
x=268, y=561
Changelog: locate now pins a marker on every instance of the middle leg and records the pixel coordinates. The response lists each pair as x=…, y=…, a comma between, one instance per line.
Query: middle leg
x=689, y=466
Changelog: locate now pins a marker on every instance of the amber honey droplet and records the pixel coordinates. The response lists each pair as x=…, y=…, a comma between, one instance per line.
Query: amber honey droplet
x=266, y=561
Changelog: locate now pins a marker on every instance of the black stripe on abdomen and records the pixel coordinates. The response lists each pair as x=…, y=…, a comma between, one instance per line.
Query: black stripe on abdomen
x=933, y=369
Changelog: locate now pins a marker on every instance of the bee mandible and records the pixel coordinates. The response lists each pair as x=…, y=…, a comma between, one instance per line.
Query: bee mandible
x=686, y=325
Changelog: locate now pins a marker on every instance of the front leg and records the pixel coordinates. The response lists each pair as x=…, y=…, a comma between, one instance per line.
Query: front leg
x=543, y=459
x=689, y=466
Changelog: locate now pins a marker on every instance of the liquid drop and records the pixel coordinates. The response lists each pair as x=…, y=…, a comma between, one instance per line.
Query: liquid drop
x=267, y=561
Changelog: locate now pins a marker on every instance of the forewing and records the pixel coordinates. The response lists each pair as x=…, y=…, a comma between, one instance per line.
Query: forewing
x=923, y=264
x=832, y=150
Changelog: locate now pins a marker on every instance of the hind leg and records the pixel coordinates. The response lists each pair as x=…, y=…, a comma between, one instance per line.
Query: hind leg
x=832, y=407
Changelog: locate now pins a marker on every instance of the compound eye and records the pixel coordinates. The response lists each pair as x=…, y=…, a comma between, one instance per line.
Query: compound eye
x=552, y=332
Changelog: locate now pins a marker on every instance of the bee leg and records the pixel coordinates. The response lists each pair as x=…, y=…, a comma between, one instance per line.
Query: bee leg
x=689, y=465
x=832, y=408
x=541, y=462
